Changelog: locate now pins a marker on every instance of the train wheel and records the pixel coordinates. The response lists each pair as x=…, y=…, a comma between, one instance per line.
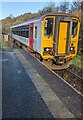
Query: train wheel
x=53, y=62
x=38, y=56
x=41, y=59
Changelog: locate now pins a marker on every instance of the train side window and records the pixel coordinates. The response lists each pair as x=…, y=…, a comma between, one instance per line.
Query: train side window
x=31, y=32
x=35, y=32
x=27, y=34
x=74, y=27
x=48, y=26
x=21, y=31
x=27, y=31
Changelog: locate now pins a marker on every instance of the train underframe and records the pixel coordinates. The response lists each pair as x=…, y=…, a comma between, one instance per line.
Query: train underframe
x=56, y=61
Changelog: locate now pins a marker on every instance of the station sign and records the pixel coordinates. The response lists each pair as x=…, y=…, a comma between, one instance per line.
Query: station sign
x=6, y=38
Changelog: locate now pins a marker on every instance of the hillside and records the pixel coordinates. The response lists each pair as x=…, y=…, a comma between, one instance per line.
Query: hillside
x=8, y=22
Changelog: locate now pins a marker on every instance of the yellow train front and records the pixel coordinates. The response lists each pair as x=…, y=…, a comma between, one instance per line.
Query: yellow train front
x=51, y=36
x=60, y=35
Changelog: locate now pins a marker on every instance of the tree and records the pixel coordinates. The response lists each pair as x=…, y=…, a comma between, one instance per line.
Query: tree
x=50, y=8
x=75, y=5
x=11, y=16
x=64, y=7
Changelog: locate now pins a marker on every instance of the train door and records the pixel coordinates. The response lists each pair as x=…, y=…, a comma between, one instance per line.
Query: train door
x=35, y=38
x=31, y=36
x=62, y=36
x=62, y=40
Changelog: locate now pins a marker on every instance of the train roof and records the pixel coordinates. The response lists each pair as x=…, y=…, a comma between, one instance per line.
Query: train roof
x=41, y=17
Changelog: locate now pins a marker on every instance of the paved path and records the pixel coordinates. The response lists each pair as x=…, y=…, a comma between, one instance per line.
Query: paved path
x=20, y=97
x=72, y=101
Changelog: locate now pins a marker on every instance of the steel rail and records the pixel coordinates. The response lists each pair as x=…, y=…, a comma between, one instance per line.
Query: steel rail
x=74, y=74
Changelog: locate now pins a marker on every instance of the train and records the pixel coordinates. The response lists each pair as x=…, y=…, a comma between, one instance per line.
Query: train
x=51, y=36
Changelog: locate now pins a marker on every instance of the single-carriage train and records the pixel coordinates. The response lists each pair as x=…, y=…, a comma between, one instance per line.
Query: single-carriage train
x=51, y=36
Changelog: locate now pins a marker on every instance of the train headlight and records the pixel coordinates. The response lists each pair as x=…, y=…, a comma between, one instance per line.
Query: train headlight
x=47, y=49
x=71, y=48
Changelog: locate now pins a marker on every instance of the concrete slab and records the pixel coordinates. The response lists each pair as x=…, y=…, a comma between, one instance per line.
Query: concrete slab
x=55, y=105
x=20, y=97
x=69, y=97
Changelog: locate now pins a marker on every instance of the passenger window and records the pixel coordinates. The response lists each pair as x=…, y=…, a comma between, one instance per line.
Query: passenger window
x=48, y=26
x=31, y=32
x=27, y=34
x=74, y=28
x=27, y=31
x=35, y=32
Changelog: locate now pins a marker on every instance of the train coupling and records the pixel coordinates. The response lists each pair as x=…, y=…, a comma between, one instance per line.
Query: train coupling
x=58, y=61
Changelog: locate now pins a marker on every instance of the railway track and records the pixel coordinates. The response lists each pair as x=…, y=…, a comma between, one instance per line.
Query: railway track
x=73, y=79
x=79, y=77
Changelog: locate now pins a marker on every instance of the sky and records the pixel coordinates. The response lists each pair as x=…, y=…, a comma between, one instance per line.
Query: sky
x=18, y=8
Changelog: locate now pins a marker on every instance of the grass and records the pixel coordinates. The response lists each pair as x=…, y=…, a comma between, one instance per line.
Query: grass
x=78, y=61
x=3, y=44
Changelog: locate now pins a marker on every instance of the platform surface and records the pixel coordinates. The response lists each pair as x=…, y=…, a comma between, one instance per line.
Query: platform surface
x=30, y=90
x=20, y=97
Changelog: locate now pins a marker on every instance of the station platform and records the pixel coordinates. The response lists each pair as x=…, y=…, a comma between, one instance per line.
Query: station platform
x=30, y=90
